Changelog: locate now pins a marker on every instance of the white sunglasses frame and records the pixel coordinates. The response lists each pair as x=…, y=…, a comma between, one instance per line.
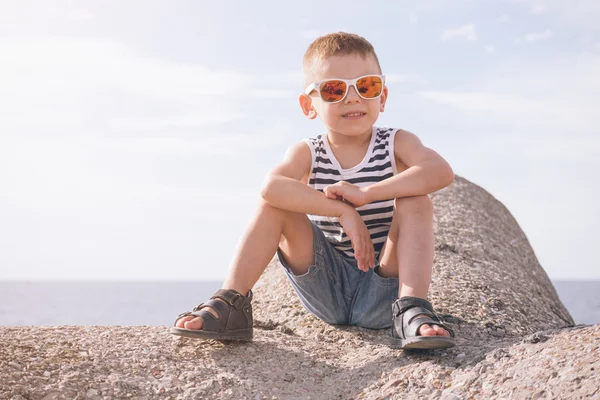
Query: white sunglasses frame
x=348, y=82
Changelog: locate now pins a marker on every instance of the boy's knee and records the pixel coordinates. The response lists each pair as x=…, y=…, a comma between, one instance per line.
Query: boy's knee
x=414, y=203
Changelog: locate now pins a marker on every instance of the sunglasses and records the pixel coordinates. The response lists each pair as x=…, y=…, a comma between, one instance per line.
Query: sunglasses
x=335, y=90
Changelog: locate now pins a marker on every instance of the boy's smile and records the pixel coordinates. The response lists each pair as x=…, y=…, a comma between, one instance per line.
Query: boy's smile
x=352, y=118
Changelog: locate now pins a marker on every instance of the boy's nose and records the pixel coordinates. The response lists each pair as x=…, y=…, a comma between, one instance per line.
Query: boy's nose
x=352, y=95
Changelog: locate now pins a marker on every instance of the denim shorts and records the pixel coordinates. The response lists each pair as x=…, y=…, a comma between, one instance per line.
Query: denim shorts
x=337, y=292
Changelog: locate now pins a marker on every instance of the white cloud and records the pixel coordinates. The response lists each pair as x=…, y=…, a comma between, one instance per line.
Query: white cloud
x=76, y=86
x=66, y=83
x=489, y=49
x=274, y=94
x=477, y=102
x=538, y=9
x=185, y=122
x=401, y=78
x=232, y=144
x=413, y=19
x=519, y=110
x=311, y=34
x=582, y=14
x=81, y=15
x=503, y=18
x=560, y=96
x=537, y=36
x=466, y=31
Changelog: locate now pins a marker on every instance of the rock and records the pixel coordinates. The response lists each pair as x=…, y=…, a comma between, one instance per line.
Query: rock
x=515, y=338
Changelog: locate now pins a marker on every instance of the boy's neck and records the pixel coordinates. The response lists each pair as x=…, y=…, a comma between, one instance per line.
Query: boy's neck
x=339, y=139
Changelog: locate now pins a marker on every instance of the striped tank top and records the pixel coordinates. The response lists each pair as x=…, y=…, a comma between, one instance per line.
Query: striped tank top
x=378, y=164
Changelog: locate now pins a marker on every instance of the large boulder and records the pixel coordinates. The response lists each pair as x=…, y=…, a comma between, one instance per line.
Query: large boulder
x=515, y=338
x=486, y=276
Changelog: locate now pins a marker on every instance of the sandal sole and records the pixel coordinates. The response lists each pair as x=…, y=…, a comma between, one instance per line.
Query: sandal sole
x=241, y=335
x=422, y=343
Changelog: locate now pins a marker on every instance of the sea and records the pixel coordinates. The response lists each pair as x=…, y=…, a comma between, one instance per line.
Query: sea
x=41, y=303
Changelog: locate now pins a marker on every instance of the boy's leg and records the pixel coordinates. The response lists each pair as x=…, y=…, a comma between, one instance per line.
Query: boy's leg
x=269, y=229
x=409, y=250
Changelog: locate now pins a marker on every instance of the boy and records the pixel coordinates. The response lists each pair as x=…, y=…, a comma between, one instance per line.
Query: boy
x=347, y=213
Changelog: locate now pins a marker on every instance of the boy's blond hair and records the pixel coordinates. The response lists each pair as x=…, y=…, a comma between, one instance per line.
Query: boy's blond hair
x=339, y=43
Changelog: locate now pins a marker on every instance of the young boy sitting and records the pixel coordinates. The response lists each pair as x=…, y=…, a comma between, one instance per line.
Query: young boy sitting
x=347, y=212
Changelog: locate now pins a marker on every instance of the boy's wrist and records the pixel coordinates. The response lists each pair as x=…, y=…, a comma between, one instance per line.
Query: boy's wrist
x=345, y=208
x=368, y=194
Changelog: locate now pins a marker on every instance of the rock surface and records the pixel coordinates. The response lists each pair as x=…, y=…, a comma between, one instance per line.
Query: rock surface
x=515, y=338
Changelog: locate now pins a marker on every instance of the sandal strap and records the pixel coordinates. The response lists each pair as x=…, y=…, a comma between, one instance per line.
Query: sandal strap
x=232, y=297
x=210, y=322
x=406, y=302
x=410, y=310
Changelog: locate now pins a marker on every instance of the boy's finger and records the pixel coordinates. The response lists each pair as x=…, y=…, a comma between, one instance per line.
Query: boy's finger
x=358, y=255
x=372, y=256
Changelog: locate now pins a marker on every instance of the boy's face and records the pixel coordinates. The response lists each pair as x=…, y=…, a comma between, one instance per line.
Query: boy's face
x=342, y=117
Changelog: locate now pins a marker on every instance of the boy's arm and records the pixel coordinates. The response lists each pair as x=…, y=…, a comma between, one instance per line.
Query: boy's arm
x=426, y=172
x=285, y=188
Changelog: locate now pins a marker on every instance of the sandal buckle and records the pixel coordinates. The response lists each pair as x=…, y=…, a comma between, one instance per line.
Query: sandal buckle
x=238, y=302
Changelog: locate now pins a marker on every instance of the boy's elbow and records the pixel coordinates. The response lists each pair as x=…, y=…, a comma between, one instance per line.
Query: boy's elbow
x=444, y=174
x=269, y=188
x=448, y=175
x=266, y=188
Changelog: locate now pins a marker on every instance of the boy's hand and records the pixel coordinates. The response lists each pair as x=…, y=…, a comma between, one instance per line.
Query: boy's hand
x=348, y=192
x=361, y=240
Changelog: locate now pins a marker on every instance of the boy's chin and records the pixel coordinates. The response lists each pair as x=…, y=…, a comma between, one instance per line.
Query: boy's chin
x=355, y=128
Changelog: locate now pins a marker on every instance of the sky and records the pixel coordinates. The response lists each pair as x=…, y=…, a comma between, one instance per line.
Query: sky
x=135, y=136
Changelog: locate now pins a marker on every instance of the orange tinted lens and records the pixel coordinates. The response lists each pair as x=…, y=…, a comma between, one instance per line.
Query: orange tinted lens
x=332, y=90
x=369, y=86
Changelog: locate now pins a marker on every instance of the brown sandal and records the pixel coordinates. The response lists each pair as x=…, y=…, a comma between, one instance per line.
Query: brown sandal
x=408, y=315
x=233, y=323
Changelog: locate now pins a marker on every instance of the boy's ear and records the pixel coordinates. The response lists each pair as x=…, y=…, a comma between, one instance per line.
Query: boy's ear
x=383, y=99
x=307, y=107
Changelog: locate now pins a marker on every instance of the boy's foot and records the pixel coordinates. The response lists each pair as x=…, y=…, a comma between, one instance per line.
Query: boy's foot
x=195, y=323
x=431, y=330
x=226, y=316
x=417, y=326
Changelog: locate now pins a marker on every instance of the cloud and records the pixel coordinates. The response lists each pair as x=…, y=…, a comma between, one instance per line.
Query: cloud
x=225, y=144
x=401, y=78
x=489, y=49
x=413, y=19
x=581, y=15
x=81, y=15
x=82, y=85
x=536, y=36
x=477, y=102
x=311, y=34
x=466, y=31
x=275, y=94
x=538, y=9
x=68, y=82
x=520, y=95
